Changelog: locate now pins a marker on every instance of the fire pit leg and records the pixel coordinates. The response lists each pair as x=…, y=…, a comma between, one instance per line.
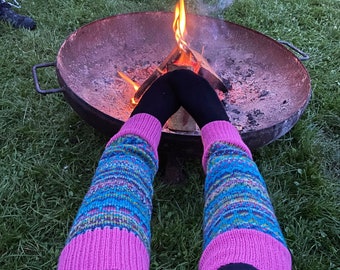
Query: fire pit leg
x=170, y=168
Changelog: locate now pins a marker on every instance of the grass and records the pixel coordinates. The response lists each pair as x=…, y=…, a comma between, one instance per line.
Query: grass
x=48, y=154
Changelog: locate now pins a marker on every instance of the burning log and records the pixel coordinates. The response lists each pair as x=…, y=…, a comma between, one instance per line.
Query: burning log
x=182, y=59
x=175, y=53
x=208, y=73
x=172, y=60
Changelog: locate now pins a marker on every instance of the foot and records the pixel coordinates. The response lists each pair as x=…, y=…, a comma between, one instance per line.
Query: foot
x=14, y=19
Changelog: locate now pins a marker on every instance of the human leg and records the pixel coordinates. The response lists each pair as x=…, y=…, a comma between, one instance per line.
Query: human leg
x=112, y=227
x=240, y=228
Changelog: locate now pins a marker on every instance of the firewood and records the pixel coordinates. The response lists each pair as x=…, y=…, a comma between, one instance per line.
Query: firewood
x=207, y=72
x=174, y=54
x=173, y=66
x=182, y=59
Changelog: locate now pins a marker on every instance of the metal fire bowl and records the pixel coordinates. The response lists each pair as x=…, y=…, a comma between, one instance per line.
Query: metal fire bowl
x=270, y=86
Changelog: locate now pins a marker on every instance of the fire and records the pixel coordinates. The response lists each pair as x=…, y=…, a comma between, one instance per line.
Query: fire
x=131, y=82
x=127, y=79
x=179, y=24
x=186, y=58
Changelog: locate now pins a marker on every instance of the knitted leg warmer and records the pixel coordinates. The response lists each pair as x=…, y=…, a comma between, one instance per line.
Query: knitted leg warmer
x=112, y=227
x=239, y=221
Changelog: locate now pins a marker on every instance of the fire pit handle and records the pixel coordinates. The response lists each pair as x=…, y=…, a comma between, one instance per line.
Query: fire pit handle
x=36, y=81
x=291, y=46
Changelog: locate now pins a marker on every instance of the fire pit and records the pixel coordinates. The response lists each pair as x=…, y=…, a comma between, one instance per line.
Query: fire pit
x=268, y=86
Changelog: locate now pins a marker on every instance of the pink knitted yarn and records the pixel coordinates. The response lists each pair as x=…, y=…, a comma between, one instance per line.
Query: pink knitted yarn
x=104, y=249
x=246, y=246
x=143, y=125
x=221, y=131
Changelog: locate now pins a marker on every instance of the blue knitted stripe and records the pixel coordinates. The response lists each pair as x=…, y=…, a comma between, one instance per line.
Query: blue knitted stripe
x=236, y=196
x=121, y=191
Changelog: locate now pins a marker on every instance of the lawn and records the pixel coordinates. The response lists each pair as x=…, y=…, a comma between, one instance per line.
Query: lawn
x=48, y=153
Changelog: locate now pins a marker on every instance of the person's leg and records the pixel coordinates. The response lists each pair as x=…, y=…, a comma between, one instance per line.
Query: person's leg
x=112, y=227
x=241, y=231
x=240, y=228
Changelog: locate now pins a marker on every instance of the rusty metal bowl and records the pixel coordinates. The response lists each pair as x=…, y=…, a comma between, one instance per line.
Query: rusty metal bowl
x=270, y=86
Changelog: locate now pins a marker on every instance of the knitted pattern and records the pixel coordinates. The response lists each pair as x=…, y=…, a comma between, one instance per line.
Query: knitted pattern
x=235, y=195
x=120, y=195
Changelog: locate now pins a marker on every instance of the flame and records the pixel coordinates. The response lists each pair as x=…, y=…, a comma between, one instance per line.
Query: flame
x=128, y=80
x=131, y=82
x=186, y=57
x=179, y=24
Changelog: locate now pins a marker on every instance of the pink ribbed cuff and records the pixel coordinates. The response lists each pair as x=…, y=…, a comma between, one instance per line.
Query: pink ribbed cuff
x=246, y=246
x=220, y=131
x=143, y=125
x=104, y=249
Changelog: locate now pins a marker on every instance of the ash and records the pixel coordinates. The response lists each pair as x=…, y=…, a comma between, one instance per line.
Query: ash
x=260, y=88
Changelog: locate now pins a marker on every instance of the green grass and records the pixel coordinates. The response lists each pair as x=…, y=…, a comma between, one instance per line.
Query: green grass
x=49, y=154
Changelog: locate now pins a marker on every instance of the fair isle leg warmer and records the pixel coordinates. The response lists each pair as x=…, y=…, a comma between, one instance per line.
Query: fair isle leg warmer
x=240, y=227
x=112, y=227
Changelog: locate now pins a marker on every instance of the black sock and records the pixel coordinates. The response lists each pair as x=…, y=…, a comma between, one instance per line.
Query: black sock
x=237, y=266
